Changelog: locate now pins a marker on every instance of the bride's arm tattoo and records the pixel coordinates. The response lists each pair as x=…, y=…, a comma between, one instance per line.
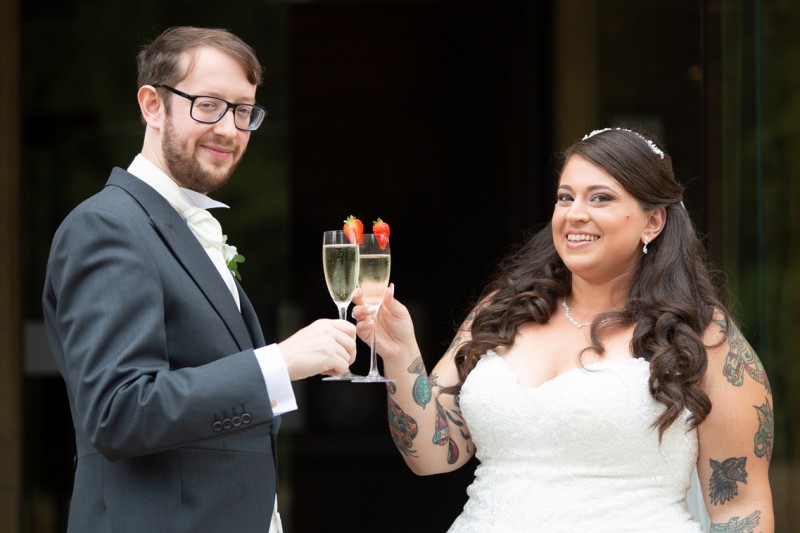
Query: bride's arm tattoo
x=742, y=360
x=402, y=427
x=766, y=430
x=722, y=486
x=457, y=419
x=421, y=391
x=444, y=419
x=738, y=525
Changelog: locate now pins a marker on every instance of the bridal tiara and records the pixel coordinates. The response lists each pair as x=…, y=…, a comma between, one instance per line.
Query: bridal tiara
x=656, y=150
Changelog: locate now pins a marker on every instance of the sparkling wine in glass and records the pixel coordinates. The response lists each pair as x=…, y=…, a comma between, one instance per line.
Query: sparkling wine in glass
x=375, y=264
x=340, y=264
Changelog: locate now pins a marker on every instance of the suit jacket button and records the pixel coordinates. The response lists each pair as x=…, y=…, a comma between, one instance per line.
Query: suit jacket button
x=227, y=423
x=237, y=421
x=217, y=426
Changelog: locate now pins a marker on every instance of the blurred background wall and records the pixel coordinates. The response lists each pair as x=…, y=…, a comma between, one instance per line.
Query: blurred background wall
x=444, y=118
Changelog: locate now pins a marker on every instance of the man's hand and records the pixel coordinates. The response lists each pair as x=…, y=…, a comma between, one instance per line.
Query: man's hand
x=324, y=347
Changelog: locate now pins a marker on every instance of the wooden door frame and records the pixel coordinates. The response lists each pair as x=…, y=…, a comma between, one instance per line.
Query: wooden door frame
x=10, y=271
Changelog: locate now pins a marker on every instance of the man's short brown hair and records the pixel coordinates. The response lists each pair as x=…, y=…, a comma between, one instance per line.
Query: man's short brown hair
x=160, y=61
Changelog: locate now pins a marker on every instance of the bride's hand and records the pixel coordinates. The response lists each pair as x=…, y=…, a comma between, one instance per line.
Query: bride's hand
x=395, y=327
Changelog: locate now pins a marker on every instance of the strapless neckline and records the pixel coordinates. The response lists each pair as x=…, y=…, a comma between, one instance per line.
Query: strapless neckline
x=594, y=365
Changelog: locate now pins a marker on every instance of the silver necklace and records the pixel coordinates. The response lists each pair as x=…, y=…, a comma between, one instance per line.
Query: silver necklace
x=569, y=316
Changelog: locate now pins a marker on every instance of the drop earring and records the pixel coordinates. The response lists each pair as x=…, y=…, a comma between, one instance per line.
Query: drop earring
x=644, y=248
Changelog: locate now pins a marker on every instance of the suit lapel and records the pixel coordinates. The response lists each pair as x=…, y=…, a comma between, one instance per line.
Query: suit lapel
x=187, y=250
x=250, y=318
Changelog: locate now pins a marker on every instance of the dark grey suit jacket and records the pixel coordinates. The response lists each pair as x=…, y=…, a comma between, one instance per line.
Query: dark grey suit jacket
x=173, y=424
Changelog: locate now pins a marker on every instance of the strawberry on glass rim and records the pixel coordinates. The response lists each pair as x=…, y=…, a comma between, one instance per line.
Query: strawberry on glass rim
x=381, y=231
x=354, y=229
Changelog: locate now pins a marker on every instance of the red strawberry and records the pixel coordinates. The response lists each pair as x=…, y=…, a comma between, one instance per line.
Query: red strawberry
x=354, y=229
x=381, y=231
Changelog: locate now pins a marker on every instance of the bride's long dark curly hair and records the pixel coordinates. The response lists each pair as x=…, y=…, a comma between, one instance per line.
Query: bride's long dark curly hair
x=671, y=302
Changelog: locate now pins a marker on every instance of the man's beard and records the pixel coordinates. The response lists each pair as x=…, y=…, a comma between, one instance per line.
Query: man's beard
x=186, y=170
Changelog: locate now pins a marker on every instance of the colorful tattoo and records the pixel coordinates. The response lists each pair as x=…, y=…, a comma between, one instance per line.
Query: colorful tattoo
x=766, y=429
x=403, y=429
x=442, y=433
x=737, y=525
x=452, y=452
x=421, y=391
x=441, y=436
x=456, y=418
x=417, y=367
x=724, y=478
x=742, y=358
x=391, y=388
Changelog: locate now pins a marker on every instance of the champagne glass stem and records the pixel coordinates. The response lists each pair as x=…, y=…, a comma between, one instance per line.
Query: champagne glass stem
x=347, y=376
x=373, y=354
x=343, y=315
x=374, y=375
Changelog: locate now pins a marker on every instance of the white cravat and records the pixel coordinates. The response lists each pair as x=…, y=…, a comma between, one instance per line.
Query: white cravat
x=209, y=232
x=190, y=205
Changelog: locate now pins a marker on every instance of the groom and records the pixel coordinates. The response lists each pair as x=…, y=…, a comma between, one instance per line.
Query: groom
x=175, y=396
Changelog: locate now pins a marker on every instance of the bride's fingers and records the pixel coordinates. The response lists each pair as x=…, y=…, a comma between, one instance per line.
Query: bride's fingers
x=390, y=293
x=362, y=312
x=358, y=297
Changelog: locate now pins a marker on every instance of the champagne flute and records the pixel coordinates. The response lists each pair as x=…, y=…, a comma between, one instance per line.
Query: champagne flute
x=340, y=264
x=375, y=261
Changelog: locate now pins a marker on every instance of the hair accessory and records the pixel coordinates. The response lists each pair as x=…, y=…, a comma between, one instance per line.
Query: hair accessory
x=655, y=149
x=644, y=248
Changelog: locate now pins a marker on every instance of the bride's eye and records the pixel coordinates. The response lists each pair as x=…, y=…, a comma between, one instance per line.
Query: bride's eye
x=602, y=198
x=564, y=197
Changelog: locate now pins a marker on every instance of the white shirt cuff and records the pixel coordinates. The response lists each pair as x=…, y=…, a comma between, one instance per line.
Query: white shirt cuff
x=276, y=378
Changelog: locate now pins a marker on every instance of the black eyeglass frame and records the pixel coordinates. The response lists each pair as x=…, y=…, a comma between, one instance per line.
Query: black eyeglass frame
x=229, y=105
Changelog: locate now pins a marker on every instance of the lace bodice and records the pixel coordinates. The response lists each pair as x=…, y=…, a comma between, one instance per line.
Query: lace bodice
x=578, y=453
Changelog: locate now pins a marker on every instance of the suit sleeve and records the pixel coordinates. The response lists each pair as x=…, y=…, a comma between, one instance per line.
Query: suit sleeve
x=106, y=316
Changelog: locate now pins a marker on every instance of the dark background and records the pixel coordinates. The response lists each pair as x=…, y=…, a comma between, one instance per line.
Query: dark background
x=431, y=116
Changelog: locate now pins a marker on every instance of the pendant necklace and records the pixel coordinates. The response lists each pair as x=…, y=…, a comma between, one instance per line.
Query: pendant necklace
x=569, y=316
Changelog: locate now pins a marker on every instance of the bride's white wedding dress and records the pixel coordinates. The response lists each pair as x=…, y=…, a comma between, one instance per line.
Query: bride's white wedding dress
x=575, y=454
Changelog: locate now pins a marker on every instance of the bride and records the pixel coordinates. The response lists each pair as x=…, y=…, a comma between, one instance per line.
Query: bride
x=597, y=372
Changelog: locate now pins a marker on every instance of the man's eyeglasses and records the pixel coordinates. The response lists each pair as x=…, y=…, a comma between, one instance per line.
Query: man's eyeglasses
x=210, y=110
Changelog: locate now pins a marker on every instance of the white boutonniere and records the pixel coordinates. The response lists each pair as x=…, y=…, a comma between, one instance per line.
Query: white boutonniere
x=232, y=257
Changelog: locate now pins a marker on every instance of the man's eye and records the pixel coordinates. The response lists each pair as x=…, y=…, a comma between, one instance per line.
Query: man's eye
x=207, y=105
